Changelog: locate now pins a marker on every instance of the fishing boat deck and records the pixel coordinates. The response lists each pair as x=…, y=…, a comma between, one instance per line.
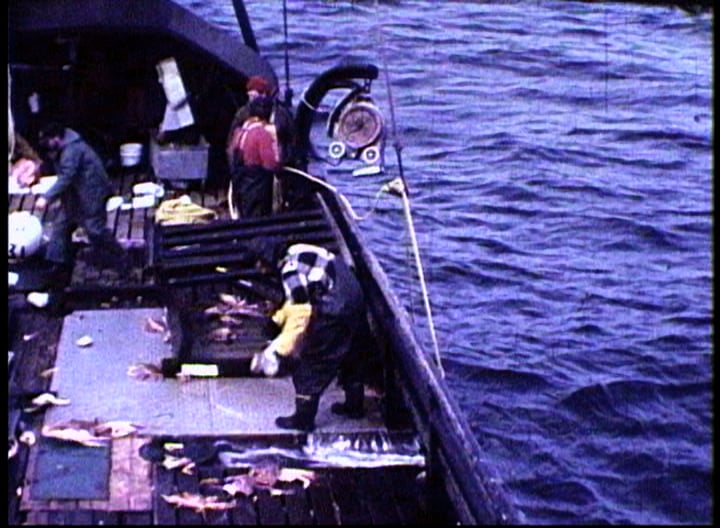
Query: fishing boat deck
x=339, y=497
x=95, y=380
x=384, y=495
x=128, y=224
x=113, y=311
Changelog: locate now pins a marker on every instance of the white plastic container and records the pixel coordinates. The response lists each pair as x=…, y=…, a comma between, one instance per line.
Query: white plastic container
x=130, y=154
x=24, y=235
x=148, y=188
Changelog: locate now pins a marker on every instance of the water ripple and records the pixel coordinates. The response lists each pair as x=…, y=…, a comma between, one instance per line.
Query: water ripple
x=561, y=175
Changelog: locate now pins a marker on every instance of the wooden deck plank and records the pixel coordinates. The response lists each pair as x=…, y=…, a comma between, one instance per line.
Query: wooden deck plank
x=81, y=518
x=107, y=518
x=99, y=505
x=113, y=220
x=49, y=214
x=37, y=518
x=349, y=498
x=15, y=477
x=297, y=505
x=189, y=484
x=32, y=505
x=163, y=513
x=377, y=493
x=127, y=224
x=141, y=477
x=34, y=354
x=62, y=505
x=135, y=519
x=244, y=513
x=270, y=509
x=26, y=502
x=323, y=506
x=127, y=232
x=407, y=494
x=71, y=517
x=217, y=518
x=120, y=476
x=15, y=202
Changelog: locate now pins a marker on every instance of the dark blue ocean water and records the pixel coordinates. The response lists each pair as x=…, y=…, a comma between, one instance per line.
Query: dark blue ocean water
x=559, y=159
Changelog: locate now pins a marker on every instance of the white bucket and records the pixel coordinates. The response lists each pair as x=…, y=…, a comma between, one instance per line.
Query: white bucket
x=130, y=154
x=24, y=234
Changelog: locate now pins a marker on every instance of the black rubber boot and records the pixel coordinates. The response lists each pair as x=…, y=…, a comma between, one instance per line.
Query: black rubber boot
x=304, y=418
x=352, y=407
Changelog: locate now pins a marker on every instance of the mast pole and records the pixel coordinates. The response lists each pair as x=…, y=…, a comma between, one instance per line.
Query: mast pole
x=288, y=90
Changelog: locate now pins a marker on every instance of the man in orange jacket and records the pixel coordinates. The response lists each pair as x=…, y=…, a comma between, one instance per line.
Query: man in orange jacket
x=254, y=156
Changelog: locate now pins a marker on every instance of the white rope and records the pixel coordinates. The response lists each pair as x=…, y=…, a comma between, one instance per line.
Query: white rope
x=399, y=186
x=396, y=187
x=231, y=203
x=335, y=191
x=305, y=102
x=234, y=214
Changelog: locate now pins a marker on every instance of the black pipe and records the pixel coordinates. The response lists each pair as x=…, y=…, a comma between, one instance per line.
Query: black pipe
x=245, y=26
x=337, y=77
x=224, y=247
x=266, y=231
x=242, y=224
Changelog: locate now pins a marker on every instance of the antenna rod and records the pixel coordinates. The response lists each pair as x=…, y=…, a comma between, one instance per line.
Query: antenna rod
x=244, y=23
x=288, y=90
x=406, y=205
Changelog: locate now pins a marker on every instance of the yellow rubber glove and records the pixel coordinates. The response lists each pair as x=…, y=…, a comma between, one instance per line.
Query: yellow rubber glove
x=292, y=320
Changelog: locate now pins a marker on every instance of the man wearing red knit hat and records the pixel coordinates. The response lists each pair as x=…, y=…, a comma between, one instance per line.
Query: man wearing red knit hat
x=255, y=87
x=280, y=125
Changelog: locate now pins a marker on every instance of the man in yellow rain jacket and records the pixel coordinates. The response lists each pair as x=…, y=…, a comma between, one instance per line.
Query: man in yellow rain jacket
x=322, y=317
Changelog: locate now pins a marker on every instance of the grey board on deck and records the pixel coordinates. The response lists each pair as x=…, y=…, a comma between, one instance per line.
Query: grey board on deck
x=96, y=382
x=64, y=470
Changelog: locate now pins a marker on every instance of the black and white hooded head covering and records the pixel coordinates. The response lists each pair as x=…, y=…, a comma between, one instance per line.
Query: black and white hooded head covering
x=307, y=272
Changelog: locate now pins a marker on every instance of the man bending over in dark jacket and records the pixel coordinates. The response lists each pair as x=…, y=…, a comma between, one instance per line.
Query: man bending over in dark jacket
x=83, y=188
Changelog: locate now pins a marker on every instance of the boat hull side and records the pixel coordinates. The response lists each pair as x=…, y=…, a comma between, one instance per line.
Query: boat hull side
x=454, y=455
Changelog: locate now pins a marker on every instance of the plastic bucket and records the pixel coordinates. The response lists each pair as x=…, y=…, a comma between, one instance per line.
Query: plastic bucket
x=24, y=234
x=130, y=154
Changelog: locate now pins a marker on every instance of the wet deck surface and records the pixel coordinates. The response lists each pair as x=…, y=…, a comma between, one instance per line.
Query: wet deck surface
x=337, y=497
x=387, y=495
x=112, y=311
x=128, y=224
x=95, y=379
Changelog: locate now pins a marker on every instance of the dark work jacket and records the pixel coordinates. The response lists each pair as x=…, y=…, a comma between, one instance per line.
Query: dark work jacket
x=330, y=339
x=83, y=185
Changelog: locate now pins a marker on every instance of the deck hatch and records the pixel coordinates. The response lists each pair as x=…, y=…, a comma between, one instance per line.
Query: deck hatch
x=68, y=471
x=227, y=249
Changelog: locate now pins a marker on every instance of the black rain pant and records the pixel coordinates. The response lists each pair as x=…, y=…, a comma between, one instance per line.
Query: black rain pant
x=332, y=345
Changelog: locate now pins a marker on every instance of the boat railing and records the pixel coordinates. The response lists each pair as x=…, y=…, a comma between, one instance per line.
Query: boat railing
x=454, y=458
